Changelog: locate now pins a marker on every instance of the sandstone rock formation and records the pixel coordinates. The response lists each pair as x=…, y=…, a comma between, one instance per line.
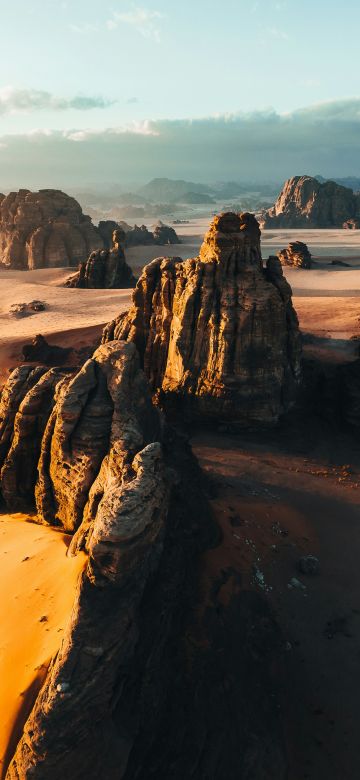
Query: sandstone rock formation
x=306, y=203
x=138, y=236
x=296, y=254
x=44, y=229
x=40, y=351
x=106, y=268
x=164, y=234
x=219, y=331
x=148, y=681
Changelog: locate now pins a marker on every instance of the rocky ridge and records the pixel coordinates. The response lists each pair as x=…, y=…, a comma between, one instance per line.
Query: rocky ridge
x=304, y=202
x=106, y=268
x=44, y=229
x=120, y=699
x=217, y=333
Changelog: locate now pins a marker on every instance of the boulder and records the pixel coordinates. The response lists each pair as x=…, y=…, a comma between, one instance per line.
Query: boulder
x=296, y=254
x=304, y=202
x=44, y=229
x=164, y=234
x=217, y=333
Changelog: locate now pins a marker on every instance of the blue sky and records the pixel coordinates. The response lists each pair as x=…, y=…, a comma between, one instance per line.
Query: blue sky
x=79, y=67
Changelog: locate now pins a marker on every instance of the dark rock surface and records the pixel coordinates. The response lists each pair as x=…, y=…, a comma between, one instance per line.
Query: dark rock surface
x=304, y=202
x=44, y=229
x=105, y=269
x=154, y=676
x=40, y=351
x=296, y=254
x=217, y=332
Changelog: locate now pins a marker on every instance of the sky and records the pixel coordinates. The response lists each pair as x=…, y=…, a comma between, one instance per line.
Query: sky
x=94, y=91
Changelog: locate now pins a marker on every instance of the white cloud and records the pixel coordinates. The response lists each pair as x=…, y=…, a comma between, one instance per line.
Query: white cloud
x=14, y=100
x=275, y=32
x=145, y=21
x=259, y=146
x=84, y=29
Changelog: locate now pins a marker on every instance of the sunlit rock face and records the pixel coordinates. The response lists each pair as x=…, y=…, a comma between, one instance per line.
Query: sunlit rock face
x=218, y=331
x=296, y=254
x=44, y=229
x=306, y=203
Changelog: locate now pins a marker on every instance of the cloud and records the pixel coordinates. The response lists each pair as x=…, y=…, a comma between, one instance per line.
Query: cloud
x=14, y=100
x=275, y=32
x=260, y=146
x=84, y=29
x=143, y=20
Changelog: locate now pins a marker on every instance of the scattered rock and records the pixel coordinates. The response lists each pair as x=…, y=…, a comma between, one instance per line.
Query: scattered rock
x=296, y=254
x=19, y=310
x=309, y=564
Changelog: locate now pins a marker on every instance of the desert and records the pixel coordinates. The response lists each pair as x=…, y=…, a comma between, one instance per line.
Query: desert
x=179, y=390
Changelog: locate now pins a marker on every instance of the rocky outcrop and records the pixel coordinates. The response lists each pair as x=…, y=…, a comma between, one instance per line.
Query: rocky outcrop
x=154, y=677
x=105, y=269
x=40, y=351
x=164, y=234
x=44, y=229
x=306, y=203
x=296, y=255
x=138, y=236
x=217, y=333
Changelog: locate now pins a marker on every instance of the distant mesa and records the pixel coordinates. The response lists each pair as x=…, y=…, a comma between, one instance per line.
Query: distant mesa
x=106, y=268
x=196, y=198
x=296, y=254
x=218, y=332
x=138, y=235
x=45, y=229
x=304, y=202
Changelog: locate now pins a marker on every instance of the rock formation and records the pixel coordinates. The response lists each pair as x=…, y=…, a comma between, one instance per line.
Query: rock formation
x=217, y=332
x=106, y=268
x=40, y=351
x=164, y=234
x=44, y=229
x=306, y=203
x=149, y=681
x=296, y=254
x=138, y=236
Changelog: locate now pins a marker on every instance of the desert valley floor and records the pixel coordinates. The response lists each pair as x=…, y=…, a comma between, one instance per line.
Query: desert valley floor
x=276, y=497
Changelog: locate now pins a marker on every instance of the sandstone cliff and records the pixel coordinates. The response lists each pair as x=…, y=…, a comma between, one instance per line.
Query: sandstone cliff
x=106, y=268
x=44, y=229
x=306, y=203
x=218, y=331
x=296, y=254
x=140, y=685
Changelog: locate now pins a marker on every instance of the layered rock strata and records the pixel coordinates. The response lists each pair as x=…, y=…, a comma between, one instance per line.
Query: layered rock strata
x=296, y=254
x=304, y=202
x=44, y=229
x=149, y=681
x=218, y=331
x=106, y=268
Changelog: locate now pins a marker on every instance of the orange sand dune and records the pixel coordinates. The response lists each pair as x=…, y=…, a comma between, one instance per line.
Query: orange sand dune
x=37, y=587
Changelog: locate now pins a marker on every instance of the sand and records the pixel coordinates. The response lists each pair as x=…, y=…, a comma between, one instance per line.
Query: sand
x=37, y=588
x=277, y=498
